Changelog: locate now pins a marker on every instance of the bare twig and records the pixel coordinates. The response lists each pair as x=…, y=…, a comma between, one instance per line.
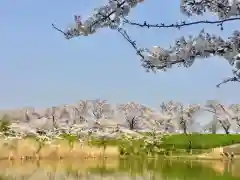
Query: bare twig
x=179, y=25
x=232, y=79
x=139, y=51
x=133, y=43
x=54, y=27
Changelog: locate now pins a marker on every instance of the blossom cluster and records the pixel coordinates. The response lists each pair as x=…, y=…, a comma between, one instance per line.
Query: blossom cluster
x=222, y=8
x=109, y=16
x=186, y=50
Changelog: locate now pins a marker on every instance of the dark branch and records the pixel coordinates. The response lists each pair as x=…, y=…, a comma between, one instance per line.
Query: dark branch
x=147, y=65
x=179, y=25
x=232, y=79
x=133, y=43
x=54, y=27
x=104, y=18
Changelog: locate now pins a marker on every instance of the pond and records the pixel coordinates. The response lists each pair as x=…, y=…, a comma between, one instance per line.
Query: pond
x=134, y=169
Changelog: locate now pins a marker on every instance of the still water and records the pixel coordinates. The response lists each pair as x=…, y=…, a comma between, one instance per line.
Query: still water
x=132, y=169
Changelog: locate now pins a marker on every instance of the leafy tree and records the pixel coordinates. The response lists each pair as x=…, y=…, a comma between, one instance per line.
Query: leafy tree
x=4, y=124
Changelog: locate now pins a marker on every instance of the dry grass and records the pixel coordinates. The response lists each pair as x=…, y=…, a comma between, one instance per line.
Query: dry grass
x=28, y=148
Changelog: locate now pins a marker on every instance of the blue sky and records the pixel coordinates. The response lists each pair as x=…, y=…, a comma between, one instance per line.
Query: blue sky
x=40, y=68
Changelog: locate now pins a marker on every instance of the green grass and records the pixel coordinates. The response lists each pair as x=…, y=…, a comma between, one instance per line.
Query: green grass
x=4, y=124
x=176, y=143
x=182, y=141
x=200, y=141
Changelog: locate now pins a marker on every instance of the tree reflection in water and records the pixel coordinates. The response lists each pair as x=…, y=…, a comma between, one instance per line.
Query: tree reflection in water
x=137, y=169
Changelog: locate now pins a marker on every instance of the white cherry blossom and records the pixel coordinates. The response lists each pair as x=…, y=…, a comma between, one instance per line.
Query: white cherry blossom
x=184, y=51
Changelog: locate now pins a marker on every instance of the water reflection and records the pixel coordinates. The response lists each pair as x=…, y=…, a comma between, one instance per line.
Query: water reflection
x=119, y=169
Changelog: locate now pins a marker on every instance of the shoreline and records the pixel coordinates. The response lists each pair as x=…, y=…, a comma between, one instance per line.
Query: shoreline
x=119, y=157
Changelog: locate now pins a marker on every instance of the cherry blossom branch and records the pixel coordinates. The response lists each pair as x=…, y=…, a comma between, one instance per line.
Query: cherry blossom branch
x=109, y=16
x=179, y=25
x=59, y=30
x=204, y=45
x=90, y=28
x=232, y=79
x=104, y=18
x=222, y=8
x=185, y=51
x=133, y=43
x=147, y=65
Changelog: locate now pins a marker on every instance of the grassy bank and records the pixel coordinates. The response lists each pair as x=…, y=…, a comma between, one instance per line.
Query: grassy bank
x=194, y=142
x=70, y=147
x=182, y=141
x=200, y=141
